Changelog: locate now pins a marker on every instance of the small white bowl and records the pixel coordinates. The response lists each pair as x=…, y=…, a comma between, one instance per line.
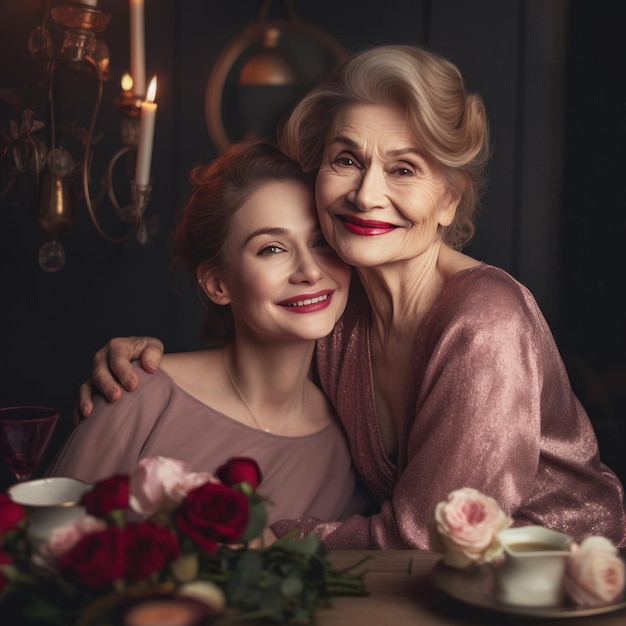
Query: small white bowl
x=533, y=570
x=49, y=502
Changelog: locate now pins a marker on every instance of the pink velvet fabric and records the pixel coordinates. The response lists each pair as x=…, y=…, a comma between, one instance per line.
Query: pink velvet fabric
x=308, y=475
x=489, y=406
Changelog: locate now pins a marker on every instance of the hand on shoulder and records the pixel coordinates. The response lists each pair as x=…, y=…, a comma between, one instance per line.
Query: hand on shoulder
x=112, y=370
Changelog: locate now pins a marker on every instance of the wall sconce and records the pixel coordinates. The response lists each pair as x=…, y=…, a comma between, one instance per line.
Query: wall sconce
x=69, y=40
x=267, y=57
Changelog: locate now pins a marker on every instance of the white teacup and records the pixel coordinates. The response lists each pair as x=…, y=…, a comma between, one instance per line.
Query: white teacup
x=49, y=502
x=533, y=570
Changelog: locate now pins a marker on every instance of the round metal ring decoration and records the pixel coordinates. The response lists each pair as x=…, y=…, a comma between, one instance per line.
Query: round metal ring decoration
x=232, y=54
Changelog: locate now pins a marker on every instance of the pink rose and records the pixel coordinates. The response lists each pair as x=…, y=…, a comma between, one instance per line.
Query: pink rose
x=161, y=484
x=468, y=523
x=595, y=573
x=63, y=538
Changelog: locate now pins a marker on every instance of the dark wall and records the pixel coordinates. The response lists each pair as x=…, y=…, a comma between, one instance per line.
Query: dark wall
x=50, y=323
x=593, y=224
x=516, y=53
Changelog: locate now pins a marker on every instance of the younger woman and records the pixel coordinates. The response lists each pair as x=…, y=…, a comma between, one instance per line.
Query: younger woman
x=250, y=238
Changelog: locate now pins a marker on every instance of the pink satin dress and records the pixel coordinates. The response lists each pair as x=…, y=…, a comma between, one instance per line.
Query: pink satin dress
x=489, y=406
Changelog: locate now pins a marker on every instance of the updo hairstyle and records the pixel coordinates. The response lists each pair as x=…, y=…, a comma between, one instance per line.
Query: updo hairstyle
x=449, y=123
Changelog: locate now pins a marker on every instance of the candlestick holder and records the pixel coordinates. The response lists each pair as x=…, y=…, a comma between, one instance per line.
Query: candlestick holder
x=58, y=177
x=81, y=23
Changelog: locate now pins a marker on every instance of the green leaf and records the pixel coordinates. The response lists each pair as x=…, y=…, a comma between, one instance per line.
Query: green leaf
x=308, y=545
x=257, y=521
x=249, y=568
x=272, y=605
x=292, y=586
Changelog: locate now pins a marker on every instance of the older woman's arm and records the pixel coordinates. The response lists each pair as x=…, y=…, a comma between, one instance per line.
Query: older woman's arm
x=492, y=408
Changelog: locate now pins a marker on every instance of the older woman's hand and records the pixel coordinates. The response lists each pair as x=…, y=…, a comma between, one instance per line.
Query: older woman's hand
x=112, y=370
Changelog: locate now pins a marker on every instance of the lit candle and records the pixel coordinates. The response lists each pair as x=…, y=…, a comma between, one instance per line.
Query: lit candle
x=127, y=83
x=146, y=136
x=137, y=47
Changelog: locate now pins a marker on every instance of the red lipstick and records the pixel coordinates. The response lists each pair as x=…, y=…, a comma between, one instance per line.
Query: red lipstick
x=365, y=228
x=308, y=303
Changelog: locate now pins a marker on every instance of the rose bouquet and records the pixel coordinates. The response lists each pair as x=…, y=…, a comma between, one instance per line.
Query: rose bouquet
x=467, y=527
x=164, y=534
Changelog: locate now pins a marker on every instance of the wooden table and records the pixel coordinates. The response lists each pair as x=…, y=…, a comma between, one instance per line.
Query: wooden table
x=401, y=594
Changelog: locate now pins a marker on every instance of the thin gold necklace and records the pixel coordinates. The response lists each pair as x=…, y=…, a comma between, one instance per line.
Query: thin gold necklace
x=241, y=397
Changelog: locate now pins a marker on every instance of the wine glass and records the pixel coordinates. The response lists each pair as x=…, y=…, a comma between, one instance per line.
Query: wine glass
x=25, y=432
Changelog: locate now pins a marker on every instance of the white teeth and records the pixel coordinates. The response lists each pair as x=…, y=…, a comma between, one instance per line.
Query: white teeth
x=309, y=301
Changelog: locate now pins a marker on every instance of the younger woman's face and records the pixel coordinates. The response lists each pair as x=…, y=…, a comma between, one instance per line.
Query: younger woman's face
x=282, y=279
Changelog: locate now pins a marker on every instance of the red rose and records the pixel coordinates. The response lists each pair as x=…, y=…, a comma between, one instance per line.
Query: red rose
x=11, y=513
x=149, y=547
x=240, y=470
x=98, y=559
x=107, y=495
x=5, y=559
x=213, y=513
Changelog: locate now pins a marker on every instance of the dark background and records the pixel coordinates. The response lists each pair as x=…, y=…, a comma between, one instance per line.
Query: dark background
x=551, y=72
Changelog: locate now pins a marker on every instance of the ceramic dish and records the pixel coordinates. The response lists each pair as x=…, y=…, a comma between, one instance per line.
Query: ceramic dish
x=476, y=587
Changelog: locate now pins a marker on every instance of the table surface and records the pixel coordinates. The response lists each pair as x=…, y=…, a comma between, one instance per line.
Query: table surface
x=401, y=593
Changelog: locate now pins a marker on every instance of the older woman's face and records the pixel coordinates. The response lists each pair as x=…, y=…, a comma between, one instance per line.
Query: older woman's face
x=379, y=199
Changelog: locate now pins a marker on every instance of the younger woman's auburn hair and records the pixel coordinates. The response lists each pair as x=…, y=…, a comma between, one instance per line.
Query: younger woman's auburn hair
x=219, y=189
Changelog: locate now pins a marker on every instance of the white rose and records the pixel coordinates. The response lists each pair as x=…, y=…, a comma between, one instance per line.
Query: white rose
x=468, y=523
x=595, y=573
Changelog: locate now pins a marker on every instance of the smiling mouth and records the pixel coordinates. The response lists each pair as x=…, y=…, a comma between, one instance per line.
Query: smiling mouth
x=366, y=228
x=307, y=301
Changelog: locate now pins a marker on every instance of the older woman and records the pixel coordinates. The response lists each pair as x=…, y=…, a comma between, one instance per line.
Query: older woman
x=443, y=370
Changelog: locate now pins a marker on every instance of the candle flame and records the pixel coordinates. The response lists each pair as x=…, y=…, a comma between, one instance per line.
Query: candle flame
x=152, y=87
x=127, y=82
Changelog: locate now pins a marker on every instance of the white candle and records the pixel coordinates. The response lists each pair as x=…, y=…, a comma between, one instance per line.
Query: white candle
x=137, y=47
x=146, y=136
x=91, y=3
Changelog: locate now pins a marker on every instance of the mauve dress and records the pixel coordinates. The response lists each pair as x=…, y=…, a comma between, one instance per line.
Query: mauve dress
x=307, y=475
x=490, y=406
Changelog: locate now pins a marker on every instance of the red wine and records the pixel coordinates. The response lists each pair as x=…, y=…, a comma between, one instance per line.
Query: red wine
x=20, y=464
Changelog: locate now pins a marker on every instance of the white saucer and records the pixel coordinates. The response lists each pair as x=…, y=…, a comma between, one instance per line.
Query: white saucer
x=476, y=586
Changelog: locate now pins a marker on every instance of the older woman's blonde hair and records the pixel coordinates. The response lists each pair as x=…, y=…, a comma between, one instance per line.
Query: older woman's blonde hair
x=449, y=123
